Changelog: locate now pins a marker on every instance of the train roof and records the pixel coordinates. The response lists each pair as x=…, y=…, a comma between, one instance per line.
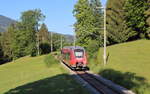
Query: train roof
x=73, y=47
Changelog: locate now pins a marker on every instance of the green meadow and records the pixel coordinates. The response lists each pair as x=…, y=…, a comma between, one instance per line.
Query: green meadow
x=37, y=75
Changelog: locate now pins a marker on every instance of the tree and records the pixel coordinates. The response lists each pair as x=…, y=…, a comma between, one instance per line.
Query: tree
x=136, y=18
x=88, y=24
x=25, y=33
x=1, y=52
x=30, y=20
x=19, y=44
x=44, y=39
x=83, y=13
x=7, y=40
x=98, y=21
x=43, y=34
x=116, y=25
x=148, y=19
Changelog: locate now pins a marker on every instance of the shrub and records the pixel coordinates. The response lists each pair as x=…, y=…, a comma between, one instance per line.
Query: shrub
x=44, y=48
x=50, y=60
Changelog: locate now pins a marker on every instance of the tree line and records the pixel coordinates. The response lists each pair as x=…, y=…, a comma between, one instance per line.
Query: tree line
x=127, y=20
x=28, y=37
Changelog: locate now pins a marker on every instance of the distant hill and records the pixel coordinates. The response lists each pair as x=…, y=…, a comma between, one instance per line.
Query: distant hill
x=5, y=22
x=68, y=38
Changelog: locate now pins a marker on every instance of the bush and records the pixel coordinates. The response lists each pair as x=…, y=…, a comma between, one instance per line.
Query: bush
x=45, y=48
x=50, y=60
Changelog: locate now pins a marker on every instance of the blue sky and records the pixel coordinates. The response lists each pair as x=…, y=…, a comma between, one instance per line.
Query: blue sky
x=58, y=13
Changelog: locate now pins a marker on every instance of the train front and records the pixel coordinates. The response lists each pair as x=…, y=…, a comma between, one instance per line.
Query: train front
x=80, y=61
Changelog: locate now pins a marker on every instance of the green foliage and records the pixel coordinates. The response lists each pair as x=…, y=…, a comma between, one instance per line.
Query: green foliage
x=7, y=39
x=43, y=38
x=43, y=34
x=30, y=20
x=56, y=40
x=92, y=48
x=1, y=52
x=97, y=22
x=50, y=60
x=24, y=41
x=136, y=18
x=89, y=21
x=126, y=20
x=117, y=31
x=148, y=19
x=45, y=48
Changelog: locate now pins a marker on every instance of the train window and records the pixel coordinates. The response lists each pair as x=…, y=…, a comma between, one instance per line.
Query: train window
x=79, y=53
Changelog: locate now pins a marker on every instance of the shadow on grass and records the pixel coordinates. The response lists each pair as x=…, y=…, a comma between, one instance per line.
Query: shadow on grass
x=128, y=80
x=60, y=84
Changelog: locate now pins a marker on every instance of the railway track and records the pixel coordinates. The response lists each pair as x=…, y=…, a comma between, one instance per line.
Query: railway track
x=95, y=83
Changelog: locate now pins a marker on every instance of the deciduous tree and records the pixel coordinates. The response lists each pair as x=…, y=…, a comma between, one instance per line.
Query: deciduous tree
x=89, y=21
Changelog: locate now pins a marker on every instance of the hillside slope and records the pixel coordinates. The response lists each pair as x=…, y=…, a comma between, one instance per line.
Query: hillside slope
x=37, y=75
x=128, y=64
x=5, y=22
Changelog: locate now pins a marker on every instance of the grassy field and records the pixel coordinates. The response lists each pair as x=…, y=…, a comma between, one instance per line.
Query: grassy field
x=128, y=64
x=37, y=75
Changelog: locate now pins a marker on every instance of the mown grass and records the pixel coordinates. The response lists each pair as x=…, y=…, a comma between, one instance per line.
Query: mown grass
x=128, y=64
x=37, y=75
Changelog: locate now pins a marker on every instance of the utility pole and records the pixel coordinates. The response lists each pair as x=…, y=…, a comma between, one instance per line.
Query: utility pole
x=105, y=37
x=74, y=44
x=61, y=42
x=74, y=39
x=38, y=42
x=51, y=42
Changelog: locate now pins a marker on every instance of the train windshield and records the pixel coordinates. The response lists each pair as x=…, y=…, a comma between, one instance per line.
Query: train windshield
x=79, y=53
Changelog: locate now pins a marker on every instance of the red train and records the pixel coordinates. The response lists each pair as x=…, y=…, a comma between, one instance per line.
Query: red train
x=75, y=57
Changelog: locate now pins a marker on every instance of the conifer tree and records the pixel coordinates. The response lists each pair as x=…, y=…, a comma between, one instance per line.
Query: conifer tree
x=148, y=19
x=116, y=25
x=44, y=42
x=1, y=52
x=136, y=18
x=43, y=34
x=7, y=40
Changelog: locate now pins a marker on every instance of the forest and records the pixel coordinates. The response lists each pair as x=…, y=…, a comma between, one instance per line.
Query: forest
x=29, y=37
